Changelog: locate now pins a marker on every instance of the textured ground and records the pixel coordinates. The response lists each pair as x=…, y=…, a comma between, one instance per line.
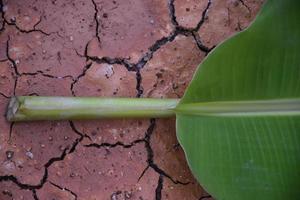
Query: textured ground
x=142, y=48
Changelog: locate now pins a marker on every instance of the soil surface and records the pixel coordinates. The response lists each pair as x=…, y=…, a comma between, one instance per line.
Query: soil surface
x=133, y=48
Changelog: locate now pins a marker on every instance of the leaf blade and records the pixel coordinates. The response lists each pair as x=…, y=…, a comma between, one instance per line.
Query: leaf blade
x=247, y=156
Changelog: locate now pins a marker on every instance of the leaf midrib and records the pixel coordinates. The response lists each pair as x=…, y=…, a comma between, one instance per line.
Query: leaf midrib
x=273, y=107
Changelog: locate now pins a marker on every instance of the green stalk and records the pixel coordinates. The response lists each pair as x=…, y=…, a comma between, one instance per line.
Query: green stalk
x=25, y=108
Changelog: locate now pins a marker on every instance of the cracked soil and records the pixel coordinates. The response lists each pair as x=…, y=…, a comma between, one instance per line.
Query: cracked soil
x=132, y=48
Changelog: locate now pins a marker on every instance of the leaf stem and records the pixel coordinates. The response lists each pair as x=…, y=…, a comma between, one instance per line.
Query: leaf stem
x=25, y=108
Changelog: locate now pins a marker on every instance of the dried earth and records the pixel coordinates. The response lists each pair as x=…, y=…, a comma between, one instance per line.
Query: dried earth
x=104, y=48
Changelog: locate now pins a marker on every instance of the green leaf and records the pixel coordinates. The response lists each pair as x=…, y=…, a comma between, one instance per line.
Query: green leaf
x=239, y=120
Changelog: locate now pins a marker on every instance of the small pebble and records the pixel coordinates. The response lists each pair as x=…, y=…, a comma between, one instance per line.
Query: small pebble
x=71, y=38
x=29, y=154
x=13, y=19
x=151, y=21
x=61, y=148
x=50, y=138
x=43, y=146
x=127, y=195
x=9, y=155
x=66, y=137
x=114, y=197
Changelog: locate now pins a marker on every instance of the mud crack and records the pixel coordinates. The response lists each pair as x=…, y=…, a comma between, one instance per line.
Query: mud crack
x=96, y=19
x=34, y=195
x=205, y=197
x=159, y=187
x=2, y=16
x=136, y=67
x=85, y=69
x=112, y=145
x=64, y=189
x=25, y=186
x=4, y=95
x=13, y=22
x=200, y=45
x=68, y=150
x=190, y=31
x=38, y=72
x=246, y=6
x=150, y=155
x=182, y=29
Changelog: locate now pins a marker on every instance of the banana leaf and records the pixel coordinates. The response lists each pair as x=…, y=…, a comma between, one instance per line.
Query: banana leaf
x=239, y=120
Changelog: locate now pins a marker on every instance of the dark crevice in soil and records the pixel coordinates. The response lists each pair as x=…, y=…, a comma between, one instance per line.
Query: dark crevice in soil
x=184, y=30
x=39, y=72
x=25, y=186
x=34, y=195
x=139, y=88
x=85, y=69
x=143, y=172
x=205, y=197
x=150, y=154
x=246, y=6
x=72, y=125
x=172, y=13
x=97, y=21
x=107, y=60
x=4, y=95
x=152, y=49
x=159, y=187
x=203, y=17
x=2, y=16
x=66, y=151
x=112, y=145
x=136, y=67
x=13, y=22
x=64, y=189
x=180, y=30
x=33, y=94
x=121, y=61
x=200, y=45
x=17, y=74
x=12, y=61
x=15, y=84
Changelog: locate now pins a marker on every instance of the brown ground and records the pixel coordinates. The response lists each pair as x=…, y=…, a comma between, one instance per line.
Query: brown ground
x=104, y=48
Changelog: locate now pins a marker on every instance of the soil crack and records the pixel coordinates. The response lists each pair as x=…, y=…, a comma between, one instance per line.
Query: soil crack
x=64, y=189
x=112, y=145
x=96, y=17
x=68, y=150
x=205, y=197
x=150, y=155
x=244, y=4
x=159, y=187
x=13, y=22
